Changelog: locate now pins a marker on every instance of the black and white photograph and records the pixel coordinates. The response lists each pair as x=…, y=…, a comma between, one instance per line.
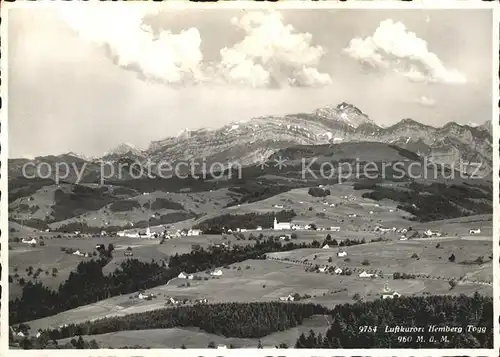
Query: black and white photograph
x=295, y=176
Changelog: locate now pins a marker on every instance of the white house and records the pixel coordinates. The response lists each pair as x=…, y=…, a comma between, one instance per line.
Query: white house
x=382, y=229
x=475, y=231
x=364, y=274
x=335, y=229
x=429, y=233
x=38, y=334
x=322, y=269
x=221, y=346
x=259, y=228
x=287, y=298
x=182, y=275
x=77, y=252
x=217, y=272
x=103, y=233
x=403, y=238
x=326, y=246
x=144, y=296
x=388, y=295
x=194, y=232
x=278, y=206
x=353, y=215
x=342, y=254
x=337, y=271
x=173, y=301
x=29, y=241
x=282, y=225
x=21, y=334
x=190, y=277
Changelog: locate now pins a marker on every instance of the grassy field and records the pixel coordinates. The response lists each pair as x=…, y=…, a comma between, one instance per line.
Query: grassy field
x=196, y=338
x=395, y=256
x=200, y=202
x=261, y=280
x=22, y=256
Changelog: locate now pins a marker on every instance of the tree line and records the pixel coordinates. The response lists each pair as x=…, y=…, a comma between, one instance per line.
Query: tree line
x=346, y=329
x=87, y=284
x=242, y=320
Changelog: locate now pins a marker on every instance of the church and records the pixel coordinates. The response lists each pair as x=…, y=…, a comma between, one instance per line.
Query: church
x=282, y=225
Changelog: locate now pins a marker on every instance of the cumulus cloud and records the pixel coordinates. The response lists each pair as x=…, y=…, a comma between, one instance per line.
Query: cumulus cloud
x=426, y=101
x=167, y=57
x=393, y=47
x=271, y=54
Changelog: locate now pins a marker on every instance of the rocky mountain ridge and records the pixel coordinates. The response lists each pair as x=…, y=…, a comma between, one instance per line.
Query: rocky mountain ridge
x=251, y=141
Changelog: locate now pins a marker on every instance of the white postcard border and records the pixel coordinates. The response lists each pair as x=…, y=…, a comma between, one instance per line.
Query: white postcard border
x=249, y=5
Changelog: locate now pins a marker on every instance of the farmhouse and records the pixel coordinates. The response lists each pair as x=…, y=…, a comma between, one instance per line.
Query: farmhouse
x=326, y=246
x=335, y=229
x=100, y=246
x=337, y=271
x=282, y=225
x=221, y=346
x=182, y=275
x=259, y=228
x=475, y=231
x=146, y=234
x=217, y=272
x=173, y=301
x=77, y=252
x=342, y=253
x=322, y=269
x=364, y=274
x=390, y=295
x=128, y=253
x=194, y=232
x=382, y=229
x=29, y=241
x=287, y=298
x=144, y=296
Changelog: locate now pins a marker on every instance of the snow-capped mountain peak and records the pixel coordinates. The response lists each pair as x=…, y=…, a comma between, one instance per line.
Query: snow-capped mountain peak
x=124, y=149
x=345, y=113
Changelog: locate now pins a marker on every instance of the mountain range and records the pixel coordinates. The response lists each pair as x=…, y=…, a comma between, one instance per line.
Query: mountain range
x=248, y=142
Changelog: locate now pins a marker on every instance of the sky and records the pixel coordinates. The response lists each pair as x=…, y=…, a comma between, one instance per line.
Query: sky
x=86, y=79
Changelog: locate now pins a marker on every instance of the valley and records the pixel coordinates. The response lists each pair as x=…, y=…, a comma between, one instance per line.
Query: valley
x=366, y=222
